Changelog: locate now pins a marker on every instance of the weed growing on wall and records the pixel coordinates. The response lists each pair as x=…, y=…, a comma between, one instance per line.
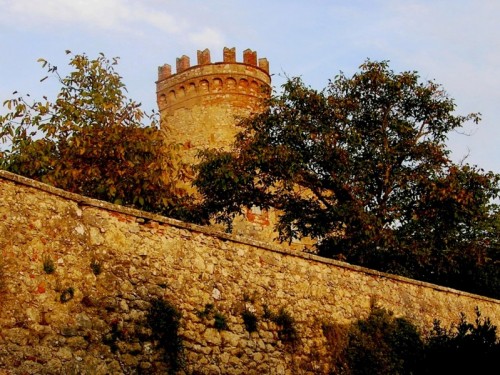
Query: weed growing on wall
x=206, y=312
x=164, y=320
x=48, y=265
x=219, y=319
x=111, y=339
x=286, y=323
x=67, y=294
x=250, y=320
x=95, y=266
x=268, y=314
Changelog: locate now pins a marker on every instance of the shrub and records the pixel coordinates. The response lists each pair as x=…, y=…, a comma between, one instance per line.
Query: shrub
x=464, y=348
x=381, y=344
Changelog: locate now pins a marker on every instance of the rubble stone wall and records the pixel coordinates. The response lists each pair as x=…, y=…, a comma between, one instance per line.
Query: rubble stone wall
x=77, y=277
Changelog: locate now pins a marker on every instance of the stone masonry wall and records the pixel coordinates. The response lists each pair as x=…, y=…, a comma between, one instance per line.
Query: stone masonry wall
x=78, y=321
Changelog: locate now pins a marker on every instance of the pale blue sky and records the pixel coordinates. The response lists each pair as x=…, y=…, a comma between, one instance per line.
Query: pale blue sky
x=454, y=42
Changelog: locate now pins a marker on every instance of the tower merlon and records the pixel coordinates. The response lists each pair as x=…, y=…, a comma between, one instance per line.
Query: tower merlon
x=204, y=57
x=229, y=55
x=264, y=65
x=183, y=63
x=164, y=71
x=250, y=57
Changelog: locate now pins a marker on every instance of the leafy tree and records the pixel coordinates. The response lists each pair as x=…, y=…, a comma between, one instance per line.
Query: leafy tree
x=91, y=141
x=362, y=167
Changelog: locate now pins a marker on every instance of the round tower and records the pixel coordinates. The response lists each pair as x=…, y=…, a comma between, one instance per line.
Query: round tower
x=200, y=105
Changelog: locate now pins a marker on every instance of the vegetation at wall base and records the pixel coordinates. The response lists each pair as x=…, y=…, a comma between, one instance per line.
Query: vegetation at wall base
x=363, y=168
x=465, y=348
x=91, y=140
x=385, y=344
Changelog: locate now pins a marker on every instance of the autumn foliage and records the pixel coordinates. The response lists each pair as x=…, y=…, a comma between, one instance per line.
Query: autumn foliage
x=91, y=140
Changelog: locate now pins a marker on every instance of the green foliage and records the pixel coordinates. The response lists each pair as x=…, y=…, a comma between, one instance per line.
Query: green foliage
x=363, y=168
x=336, y=336
x=111, y=338
x=268, y=314
x=250, y=320
x=48, y=265
x=164, y=320
x=206, y=312
x=91, y=141
x=95, y=266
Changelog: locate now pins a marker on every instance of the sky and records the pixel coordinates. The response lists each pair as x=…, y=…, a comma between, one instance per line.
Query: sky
x=456, y=43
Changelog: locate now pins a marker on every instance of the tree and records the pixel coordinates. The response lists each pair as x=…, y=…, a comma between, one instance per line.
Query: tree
x=362, y=167
x=91, y=141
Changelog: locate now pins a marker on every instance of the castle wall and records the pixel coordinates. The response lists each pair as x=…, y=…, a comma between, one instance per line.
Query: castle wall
x=100, y=328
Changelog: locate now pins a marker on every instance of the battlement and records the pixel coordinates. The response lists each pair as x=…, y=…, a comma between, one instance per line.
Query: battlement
x=203, y=58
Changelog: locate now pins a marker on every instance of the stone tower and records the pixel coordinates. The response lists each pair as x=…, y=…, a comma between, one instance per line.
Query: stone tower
x=200, y=105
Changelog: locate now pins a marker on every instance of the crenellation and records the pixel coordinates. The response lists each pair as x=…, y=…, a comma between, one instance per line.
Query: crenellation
x=183, y=63
x=164, y=71
x=250, y=57
x=264, y=64
x=203, y=57
x=200, y=106
x=229, y=55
